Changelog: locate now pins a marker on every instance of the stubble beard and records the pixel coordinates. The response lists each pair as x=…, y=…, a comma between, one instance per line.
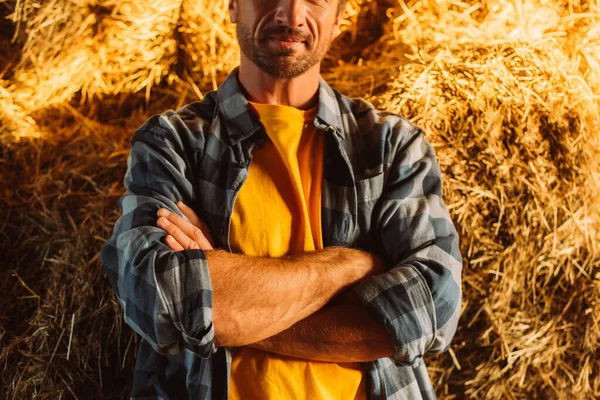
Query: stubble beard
x=281, y=65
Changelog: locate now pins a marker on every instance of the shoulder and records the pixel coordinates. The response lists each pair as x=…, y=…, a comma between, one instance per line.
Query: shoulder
x=370, y=119
x=185, y=126
x=371, y=129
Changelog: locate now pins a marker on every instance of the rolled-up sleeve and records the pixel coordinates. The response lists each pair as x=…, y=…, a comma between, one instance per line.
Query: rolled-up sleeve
x=419, y=298
x=166, y=296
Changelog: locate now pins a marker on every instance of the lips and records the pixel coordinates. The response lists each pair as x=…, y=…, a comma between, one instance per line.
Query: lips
x=288, y=39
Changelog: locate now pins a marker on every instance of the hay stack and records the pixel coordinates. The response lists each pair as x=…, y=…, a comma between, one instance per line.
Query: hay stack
x=507, y=91
x=62, y=333
x=513, y=110
x=91, y=48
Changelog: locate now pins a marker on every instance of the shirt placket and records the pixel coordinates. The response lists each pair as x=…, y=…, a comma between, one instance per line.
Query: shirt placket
x=342, y=227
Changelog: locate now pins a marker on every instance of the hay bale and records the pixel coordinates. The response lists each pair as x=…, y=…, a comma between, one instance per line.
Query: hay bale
x=515, y=125
x=507, y=91
x=62, y=333
x=93, y=48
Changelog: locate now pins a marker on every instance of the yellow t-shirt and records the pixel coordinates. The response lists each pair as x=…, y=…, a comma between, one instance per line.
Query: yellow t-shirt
x=278, y=212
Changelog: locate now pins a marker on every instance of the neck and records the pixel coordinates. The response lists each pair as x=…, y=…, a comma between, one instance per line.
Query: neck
x=300, y=92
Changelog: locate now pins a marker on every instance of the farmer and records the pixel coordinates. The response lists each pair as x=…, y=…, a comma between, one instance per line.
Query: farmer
x=279, y=240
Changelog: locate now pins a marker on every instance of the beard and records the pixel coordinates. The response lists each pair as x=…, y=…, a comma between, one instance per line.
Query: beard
x=281, y=64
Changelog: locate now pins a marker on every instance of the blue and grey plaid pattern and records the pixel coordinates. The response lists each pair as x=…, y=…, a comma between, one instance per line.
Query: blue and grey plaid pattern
x=381, y=192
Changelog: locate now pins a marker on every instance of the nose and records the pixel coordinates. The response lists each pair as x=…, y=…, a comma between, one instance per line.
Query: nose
x=291, y=13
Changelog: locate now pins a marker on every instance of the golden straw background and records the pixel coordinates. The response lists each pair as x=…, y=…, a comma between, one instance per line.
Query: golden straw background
x=508, y=92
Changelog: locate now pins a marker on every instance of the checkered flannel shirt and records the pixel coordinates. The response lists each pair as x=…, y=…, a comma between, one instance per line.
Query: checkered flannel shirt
x=382, y=191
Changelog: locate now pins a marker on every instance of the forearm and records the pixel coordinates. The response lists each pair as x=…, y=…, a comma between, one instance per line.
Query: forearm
x=342, y=331
x=258, y=297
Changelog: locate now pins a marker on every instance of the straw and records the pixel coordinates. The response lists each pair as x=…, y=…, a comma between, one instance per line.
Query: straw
x=508, y=93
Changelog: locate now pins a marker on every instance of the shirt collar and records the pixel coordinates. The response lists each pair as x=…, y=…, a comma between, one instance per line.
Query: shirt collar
x=242, y=122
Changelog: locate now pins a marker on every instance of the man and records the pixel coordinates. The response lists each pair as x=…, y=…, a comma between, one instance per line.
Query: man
x=302, y=248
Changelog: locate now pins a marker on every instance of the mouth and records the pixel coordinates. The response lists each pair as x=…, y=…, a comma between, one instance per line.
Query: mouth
x=287, y=42
x=287, y=39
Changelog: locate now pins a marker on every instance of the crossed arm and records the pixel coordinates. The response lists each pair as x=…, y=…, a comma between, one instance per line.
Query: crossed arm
x=340, y=331
x=174, y=301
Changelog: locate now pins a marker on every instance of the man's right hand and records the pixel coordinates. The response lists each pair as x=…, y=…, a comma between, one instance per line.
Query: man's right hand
x=183, y=235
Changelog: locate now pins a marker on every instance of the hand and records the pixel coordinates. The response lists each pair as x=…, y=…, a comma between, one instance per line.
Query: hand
x=181, y=234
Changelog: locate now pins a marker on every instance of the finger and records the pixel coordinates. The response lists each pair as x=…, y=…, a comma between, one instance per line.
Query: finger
x=172, y=243
x=201, y=240
x=195, y=219
x=180, y=223
x=178, y=233
x=188, y=235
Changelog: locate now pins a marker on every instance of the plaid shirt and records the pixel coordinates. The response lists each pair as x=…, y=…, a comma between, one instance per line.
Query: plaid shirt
x=381, y=192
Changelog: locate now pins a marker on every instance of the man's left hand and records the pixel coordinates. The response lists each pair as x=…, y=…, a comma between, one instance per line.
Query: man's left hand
x=181, y=234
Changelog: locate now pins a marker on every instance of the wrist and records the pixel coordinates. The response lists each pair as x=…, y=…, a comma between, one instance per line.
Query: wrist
x=358, y=265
